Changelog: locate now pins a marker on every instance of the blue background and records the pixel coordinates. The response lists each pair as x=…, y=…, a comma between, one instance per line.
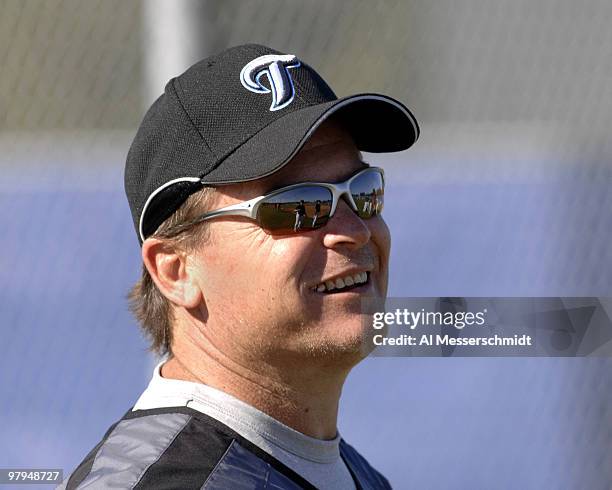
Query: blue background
x=73, y=359
x=507, y=193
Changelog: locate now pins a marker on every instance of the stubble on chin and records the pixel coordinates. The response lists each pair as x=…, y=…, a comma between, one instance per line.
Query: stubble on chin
x=335, y=342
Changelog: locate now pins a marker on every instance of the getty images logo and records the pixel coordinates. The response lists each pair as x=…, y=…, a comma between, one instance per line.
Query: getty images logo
x=276, y=67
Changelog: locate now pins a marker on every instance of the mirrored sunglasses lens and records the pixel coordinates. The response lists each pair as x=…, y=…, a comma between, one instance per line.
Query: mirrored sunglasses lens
x=300, y=209
x=368, y=193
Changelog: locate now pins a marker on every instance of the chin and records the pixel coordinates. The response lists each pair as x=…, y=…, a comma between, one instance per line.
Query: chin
x=339, y=343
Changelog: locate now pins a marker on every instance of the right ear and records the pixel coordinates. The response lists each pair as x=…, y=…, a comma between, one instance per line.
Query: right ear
x=167, y=266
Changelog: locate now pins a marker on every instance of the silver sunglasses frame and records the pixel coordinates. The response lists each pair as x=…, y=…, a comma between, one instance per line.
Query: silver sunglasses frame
x=249, y=208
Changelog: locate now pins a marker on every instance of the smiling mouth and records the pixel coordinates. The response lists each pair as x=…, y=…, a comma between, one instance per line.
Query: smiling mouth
x=342, y=284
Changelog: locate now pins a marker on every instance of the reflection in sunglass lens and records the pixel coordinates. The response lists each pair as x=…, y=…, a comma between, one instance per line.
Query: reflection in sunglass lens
x=367, y=192
x=301, y=209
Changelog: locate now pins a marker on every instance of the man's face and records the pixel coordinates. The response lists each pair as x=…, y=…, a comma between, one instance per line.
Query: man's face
x=259, y=291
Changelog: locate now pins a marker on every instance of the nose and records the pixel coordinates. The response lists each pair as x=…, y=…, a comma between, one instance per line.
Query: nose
x=345, y=228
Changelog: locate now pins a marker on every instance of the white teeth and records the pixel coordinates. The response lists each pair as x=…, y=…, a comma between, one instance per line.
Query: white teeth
x=360, y=278
x=340, y=283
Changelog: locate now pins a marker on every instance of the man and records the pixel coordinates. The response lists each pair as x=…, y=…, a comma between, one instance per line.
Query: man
x=300, y=214
x=260, y=321
x=317, y=210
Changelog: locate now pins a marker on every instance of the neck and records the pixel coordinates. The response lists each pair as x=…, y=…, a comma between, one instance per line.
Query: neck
x=301, y=395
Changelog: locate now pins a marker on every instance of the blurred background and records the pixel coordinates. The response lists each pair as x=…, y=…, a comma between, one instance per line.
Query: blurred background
x=508, y=192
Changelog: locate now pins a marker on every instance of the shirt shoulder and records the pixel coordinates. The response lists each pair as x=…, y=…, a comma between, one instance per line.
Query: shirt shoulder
x=178, y=448
x=363, y=472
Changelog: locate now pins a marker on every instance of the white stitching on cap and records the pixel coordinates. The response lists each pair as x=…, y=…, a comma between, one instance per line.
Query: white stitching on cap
x=157, y=191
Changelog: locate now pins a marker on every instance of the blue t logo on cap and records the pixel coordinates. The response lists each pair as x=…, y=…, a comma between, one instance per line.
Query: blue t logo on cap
x=276, y=67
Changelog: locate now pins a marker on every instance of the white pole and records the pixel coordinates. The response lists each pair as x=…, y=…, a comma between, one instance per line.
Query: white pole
x=176, y=34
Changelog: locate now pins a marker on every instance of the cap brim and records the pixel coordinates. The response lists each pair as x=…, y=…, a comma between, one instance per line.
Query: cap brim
x=377, y=124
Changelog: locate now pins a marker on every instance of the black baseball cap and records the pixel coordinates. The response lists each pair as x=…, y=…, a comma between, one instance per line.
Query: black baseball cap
x=241, y=115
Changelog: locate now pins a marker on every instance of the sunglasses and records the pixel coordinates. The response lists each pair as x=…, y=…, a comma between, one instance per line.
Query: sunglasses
x=306, y=206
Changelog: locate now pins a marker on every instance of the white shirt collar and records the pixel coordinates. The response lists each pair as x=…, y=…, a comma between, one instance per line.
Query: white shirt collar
x=252, y=424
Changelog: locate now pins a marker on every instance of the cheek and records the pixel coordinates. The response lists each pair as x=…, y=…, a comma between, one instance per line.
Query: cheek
x=256, y=262
x=381, y=237
x=281, y=261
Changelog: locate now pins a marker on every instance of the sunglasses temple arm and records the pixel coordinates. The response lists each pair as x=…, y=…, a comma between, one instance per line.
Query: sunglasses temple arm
x=240, y=209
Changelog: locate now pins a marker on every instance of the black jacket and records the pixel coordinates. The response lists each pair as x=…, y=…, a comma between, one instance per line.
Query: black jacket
x=181, y=448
